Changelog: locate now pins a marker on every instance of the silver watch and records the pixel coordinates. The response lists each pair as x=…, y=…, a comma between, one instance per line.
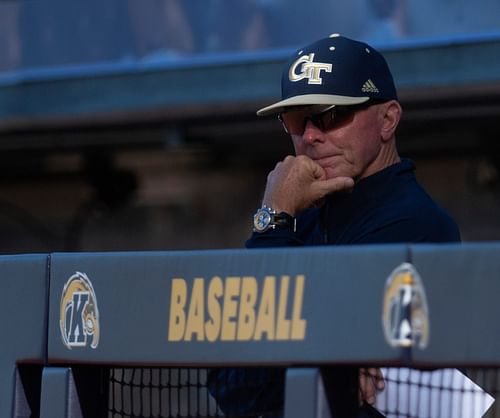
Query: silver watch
x=267, y=218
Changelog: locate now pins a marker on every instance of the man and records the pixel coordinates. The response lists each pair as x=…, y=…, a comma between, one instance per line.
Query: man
x=346, y=183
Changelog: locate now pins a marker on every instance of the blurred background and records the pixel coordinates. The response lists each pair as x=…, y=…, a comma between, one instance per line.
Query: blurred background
x=130, y=124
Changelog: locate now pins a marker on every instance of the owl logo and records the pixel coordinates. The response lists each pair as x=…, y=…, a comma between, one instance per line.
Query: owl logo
x=405, y=314
x=78, y=315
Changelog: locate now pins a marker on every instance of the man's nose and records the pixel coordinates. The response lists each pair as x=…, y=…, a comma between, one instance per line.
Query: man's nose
x=312, y=133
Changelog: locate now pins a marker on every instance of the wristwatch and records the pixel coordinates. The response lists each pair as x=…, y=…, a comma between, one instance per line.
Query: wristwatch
x=267, y=218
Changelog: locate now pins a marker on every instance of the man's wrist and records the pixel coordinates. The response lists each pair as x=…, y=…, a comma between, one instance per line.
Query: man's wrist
x=278, y=203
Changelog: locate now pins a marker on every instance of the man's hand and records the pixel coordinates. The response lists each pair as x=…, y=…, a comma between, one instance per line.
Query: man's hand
x=297, y=183
x=371, y=381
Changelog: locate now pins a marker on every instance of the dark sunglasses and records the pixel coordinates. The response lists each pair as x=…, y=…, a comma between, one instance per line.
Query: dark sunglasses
x=295, y=121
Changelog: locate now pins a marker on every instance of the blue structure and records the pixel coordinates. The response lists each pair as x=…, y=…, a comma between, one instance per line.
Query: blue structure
x=311, y=308
x=59, y=62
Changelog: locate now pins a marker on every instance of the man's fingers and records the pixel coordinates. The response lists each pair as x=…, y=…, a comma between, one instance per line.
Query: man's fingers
x=337, y=184
x=378, y=377
x=317, y=171
x=297, y=183
x=367, y=391
x=371, y=381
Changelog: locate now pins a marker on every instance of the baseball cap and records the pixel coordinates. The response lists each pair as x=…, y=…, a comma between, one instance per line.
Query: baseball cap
x=334, y=71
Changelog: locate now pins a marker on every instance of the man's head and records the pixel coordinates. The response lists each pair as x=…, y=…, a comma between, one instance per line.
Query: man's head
x=340, y=106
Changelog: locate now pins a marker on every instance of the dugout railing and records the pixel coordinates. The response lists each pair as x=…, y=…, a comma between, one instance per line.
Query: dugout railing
x=85, y=331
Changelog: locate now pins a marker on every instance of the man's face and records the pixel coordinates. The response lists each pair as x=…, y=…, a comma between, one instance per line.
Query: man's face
x=350, y=145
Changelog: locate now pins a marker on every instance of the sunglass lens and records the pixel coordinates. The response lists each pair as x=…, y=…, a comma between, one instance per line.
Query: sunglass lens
x=294, y=122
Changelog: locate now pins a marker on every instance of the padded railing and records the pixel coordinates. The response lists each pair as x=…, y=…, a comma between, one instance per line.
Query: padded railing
x=78, y=326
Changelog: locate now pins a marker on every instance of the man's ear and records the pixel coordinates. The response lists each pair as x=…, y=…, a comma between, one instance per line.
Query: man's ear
x=392, y=112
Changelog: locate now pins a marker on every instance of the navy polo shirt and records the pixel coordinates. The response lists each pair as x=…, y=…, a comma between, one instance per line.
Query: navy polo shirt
x=386, y=207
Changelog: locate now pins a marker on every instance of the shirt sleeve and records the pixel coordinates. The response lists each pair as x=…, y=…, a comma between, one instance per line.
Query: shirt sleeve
x=279, y=237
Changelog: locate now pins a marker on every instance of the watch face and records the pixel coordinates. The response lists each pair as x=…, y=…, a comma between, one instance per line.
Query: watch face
x=261, y=220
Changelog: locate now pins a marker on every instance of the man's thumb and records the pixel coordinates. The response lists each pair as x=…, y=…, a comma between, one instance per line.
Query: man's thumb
x=336, y=184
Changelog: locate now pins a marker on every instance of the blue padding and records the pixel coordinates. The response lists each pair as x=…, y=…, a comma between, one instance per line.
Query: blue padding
x=341, y=305
x=462, y=284
x=23, y=289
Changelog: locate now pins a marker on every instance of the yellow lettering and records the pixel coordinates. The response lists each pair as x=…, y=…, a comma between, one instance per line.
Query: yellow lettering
x=265, y=317
x=283, y=324
x=298, y=323
x=246, y=316
x=235, y=308
x=196, y=313
x=212, y=326
x=229, y=310
x=177, y=320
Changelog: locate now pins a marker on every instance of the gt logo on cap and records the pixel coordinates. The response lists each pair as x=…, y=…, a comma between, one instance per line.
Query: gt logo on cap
x=310, y=69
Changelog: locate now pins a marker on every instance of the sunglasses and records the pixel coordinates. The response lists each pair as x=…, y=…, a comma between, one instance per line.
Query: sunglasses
x=294, y=122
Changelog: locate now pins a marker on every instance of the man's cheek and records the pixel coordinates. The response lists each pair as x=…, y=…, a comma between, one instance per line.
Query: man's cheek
x=298, y=145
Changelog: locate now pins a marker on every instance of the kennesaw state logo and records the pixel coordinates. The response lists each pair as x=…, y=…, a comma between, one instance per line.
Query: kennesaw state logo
x=79, y=316
x=405, y=314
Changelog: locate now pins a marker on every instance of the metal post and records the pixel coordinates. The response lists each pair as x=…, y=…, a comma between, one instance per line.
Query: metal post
x=59, y=397
x=305, y=394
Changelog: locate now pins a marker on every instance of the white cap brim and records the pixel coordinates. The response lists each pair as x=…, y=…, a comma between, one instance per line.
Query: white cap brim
x=311, y=100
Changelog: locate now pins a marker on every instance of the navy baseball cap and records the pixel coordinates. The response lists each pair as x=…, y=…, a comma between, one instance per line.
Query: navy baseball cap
x=334, y=71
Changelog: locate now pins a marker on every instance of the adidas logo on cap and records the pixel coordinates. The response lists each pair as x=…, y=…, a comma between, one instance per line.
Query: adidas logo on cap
x=369, y=87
